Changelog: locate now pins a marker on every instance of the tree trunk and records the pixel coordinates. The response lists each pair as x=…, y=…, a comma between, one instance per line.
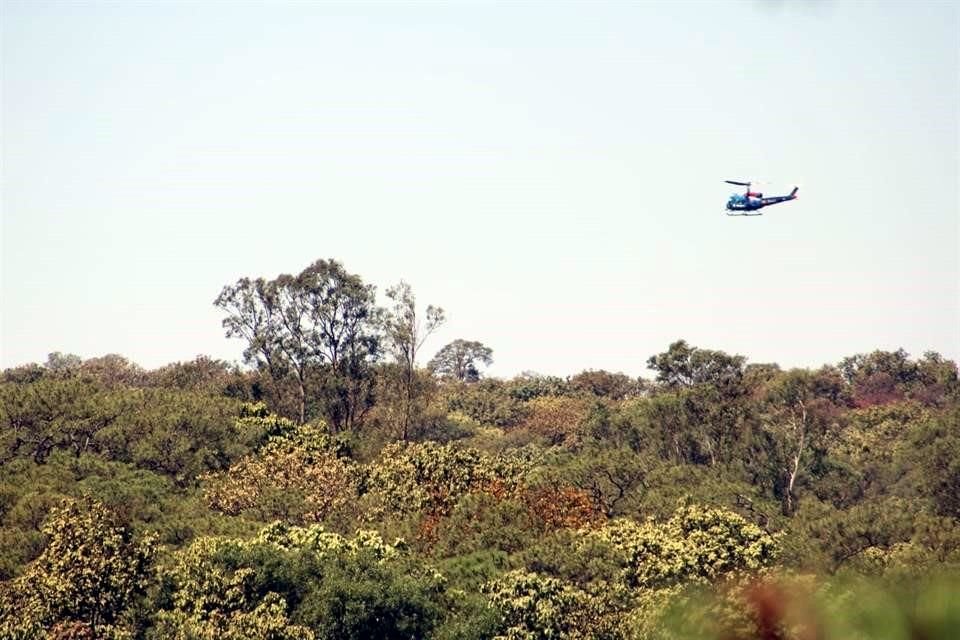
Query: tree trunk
x=789, y=504
x=301, y=387
x=408, y=401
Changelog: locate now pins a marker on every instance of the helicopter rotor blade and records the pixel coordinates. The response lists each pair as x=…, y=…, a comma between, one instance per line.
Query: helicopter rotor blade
x=742, y=184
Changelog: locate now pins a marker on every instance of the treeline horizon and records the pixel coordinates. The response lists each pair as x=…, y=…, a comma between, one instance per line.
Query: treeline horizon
x=114, y=368
x=332, y=487
x=287, y=293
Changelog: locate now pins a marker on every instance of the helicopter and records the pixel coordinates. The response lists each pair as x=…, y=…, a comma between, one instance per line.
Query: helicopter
x=744, y=205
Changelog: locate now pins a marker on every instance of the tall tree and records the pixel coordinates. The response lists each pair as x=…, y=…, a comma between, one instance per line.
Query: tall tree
x=406, y=332
x=459, y=359
x=63, y=364
x=794, y=427
x=250, y=305
x=319, y=323
x=684, y=366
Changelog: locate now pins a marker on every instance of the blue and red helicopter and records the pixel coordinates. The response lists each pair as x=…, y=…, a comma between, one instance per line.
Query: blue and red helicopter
x=744, y=205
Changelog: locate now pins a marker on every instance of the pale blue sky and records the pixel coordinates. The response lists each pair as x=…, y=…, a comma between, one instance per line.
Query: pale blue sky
x=550, y=173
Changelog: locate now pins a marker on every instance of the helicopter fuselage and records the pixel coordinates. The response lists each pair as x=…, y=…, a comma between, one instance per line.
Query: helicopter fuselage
x=754, y=201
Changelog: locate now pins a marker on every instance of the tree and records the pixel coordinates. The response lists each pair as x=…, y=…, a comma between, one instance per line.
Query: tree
x=319, y=323
x=879, y=377
x=303, y=583
x=669, y=424
x=488, y=401
x=24, y=374
x=253, y=316
x=405, y=334
x=269, y=620
x=346, y=320
x=360, y=598
x=558, y=419
x=612, y=477
x=296, y=477
x=895, y=364
x=90, y=572
x=937, y=380
x=54, y=413
x=616, y=386
x=533, y=606
x=181, y=434
x=407, y=406
x=791, y=430
x=685, y=366
x=530, y=384
x=430, y=477
x=934, y=448
x=695, y=543
x=794, y=426
x=113, y=371
x=63, y=364
x=203, y=374
x=459, y=360
x=481, y=524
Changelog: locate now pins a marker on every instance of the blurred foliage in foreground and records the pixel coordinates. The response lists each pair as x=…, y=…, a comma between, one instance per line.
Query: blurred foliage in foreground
x=805, y=608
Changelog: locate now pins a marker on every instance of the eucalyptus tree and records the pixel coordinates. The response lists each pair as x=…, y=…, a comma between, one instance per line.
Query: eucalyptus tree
x=708, y=387
x=796, y=423
x=406, y=333
x=320, y=324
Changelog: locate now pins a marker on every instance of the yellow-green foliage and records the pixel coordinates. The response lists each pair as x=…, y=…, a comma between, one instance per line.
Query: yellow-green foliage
x=875, y=434
x=224, y=587
x=256, y=422
x=653, y=563
x=90, y=571
x=696, y=543
x=296, y=476
x=533, y=606
x=324, y=543
x=205, y=583
x=267, y=621
x=427, y=476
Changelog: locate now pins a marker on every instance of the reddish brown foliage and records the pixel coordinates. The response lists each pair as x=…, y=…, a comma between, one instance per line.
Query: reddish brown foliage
x=429, y=527
x=72, y=630
x=496, y=488
x=877, y=389
x=556, y=419
x=562, y=508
